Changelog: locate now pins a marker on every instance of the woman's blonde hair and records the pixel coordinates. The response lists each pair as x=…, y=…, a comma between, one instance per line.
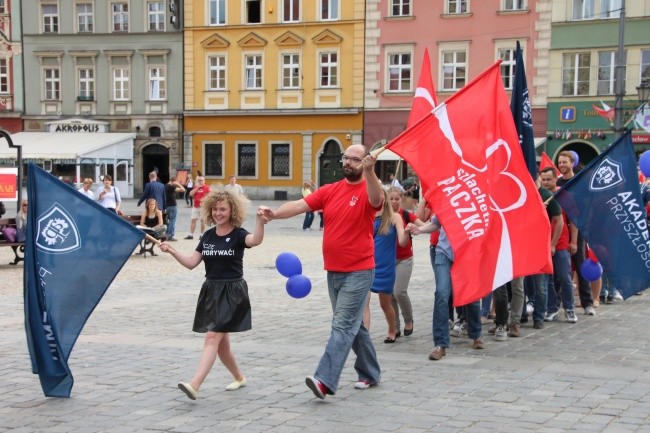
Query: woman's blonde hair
x=239, y=205
x=386, y=216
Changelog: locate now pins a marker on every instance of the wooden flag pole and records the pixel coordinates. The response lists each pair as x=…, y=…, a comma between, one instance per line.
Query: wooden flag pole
x=548, y=200
x=375, y=153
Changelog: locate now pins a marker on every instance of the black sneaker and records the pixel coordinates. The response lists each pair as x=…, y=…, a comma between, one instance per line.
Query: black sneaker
x=538, y=324
x=189, y=237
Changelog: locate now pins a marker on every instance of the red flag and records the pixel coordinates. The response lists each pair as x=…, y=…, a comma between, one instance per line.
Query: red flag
x=425, y=95
x=467, y=150
x=547, y=162
x=606, y=112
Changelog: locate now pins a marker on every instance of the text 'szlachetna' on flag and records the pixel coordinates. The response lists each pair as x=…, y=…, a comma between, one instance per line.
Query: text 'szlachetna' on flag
x=604, y=201
x=73, y=250
x=468, y=152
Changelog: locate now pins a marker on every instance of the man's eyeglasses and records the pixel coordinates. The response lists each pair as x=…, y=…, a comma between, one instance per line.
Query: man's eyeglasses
x=354, y=159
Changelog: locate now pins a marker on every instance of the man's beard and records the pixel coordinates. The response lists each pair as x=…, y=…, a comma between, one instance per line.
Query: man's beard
x=352, y=174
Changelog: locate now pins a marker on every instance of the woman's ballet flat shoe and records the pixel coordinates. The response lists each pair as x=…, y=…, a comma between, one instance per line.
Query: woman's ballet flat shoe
x=187, y=389
x=236, y=385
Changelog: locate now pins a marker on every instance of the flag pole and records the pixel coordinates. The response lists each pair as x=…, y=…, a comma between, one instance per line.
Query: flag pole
x=375, y=153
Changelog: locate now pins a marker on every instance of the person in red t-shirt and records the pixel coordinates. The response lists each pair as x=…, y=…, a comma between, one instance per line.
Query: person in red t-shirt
x=199, y=191
x=349, y=207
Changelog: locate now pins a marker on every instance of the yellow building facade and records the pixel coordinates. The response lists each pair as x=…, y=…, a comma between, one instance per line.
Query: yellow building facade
x=273, y=91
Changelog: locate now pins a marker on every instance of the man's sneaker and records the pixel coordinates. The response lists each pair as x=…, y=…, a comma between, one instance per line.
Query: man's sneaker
x=609, y=299
x=571, y=316
x=316, y=386
x=618, y=296
x=530, y=307
x=171, y=239
x=189, y=237
x=538, y=324
x=513, y=330
x=590, y=311
x=362, y=384
x=551, y=316
x=460, y=330
x=501, y=333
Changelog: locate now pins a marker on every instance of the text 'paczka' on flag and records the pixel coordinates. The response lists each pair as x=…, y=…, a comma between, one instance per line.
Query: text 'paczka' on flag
x=604, y=201
x=74, y=249
x=468, y=151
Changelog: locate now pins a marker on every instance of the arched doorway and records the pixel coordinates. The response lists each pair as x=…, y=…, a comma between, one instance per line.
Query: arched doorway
x=585, y=150
x=330, y=167
x=155, y=157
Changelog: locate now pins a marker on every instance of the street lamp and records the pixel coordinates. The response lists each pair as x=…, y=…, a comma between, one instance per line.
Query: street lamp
x=643, y=90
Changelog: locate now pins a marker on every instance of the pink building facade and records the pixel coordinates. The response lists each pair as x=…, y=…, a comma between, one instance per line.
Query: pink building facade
x=463, y=38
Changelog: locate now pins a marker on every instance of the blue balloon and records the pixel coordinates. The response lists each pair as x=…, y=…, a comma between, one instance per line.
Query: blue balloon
x=298, y=286
x=576, y=158
x=644, y=163
x=288, y=264
x=591, y=270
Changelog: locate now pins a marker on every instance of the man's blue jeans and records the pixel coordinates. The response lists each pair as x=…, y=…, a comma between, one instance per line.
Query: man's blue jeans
x=172, y=212
x=348, y=292
x=562, y=273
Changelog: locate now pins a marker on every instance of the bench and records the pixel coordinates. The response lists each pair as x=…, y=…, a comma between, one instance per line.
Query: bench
x=18, y=247
x=146, y=246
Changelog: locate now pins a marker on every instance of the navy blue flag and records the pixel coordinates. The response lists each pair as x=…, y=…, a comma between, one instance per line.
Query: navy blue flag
x=522, y=114
x=604, y=201
x=74, y=250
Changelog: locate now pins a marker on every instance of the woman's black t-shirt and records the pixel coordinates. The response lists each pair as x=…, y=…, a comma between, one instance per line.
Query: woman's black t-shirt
x=223, y=256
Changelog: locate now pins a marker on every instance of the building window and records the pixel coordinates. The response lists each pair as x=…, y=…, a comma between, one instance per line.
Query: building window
x=328, y=70
x=280, y=159
x=575, y=74
x=253, y=11
x=217, y=12
x=583, y=9
x=217, y=72
x=213, y=158
x=508, y=62
x=247, y=159
x=85, y=17
x=157, y=86
x=3, y=7
x=645, y=65
x=329, y=10
x=121, y=85
x=400, y=8
x=4, y=75
x=611, y=8
x=120, y=17
x=253, y=73
x=156, y=16
x=52, y=84
x=50, y=18
x=290, y=11
x=457, y=6
x=514, y=5
x=86, y=84
x=454, y=69
x=290, y=71
x=607, y=61
x=399, y=72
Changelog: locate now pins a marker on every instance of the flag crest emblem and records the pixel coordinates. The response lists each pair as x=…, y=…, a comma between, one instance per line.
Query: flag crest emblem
x=607, y=175
x=57, y=232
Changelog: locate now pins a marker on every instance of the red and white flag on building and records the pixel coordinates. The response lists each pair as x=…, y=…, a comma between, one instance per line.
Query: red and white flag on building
x=468, y=153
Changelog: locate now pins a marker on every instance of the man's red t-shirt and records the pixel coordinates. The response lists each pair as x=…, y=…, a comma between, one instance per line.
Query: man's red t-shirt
x=348, y=243
x=563, y=240
x=199, y=194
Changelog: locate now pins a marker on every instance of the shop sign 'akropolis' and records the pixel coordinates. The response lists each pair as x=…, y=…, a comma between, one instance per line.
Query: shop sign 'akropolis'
x=77, y=125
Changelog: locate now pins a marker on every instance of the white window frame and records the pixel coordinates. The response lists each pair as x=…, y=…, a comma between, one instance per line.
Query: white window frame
x=49, y=18
x=238, y=145
x=514, y=5
x=455, y=50
x=610, y=8
x=330, y=7
x=157, y=18
x=85, y=85
x=507, y=65
x=571, y=64
x=217, y=12
x=85, y=19
x=5, y=85
x=290, y=10
x=272, y=144
x=256, y=68
x=332, y=68
x=52, y=83
x=400, y=5
x=583, y=10
x=644, y=69
x=119, y=17
x=401, y=68
x=456, y=7
x=290, y=71
x=121, y=83
x=217, y=72
x=157, y=82
x=609, y=68
x=3, y=6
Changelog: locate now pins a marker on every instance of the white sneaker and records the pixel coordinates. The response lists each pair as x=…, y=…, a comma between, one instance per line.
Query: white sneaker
x=362, y=384
x=571, y=316
x=590, y=311
x=618, y=296
x=501, y=333
x=530, y=308
x=460, y=330
x=551, y=317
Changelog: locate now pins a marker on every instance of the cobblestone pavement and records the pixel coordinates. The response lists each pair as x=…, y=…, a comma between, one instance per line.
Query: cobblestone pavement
x=593, y=376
